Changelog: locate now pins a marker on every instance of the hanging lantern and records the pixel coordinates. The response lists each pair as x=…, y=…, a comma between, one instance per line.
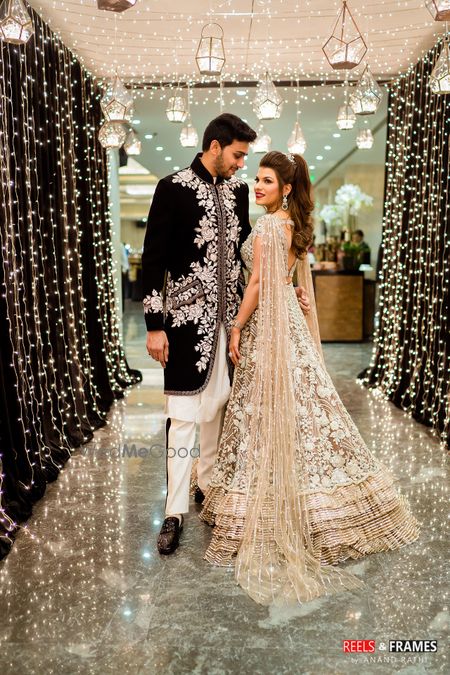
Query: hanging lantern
x=297, y=143
x=117, y=102
x=346, y=118
x=132, y=144
x=439, y=9
x=364, y=139
x=440, y=76
x=112, y=134
x=267, y=103
x=189, y=135
x=345, y=48
x=16, y=26
x=367, y=95
x=210, y=54
x=176, y=109
x=116, y=5
x=262, y=141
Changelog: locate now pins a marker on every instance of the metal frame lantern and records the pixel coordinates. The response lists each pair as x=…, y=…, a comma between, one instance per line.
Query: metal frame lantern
x=346, y=47
x=297, y=143
x=112, y=135
x=16, y=25
x=117, y=103
x=176, y=110
x=116, y=5
x=210, y=55
x=262, y=141
x=439, y=9
x=132, y=144
x=440, y=76
x=267, y=103
x=364, y=139
x=189, y=135
x=367, y=95
x=346, y=118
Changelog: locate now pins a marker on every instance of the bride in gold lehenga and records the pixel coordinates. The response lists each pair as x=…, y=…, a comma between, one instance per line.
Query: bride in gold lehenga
x=294, y=490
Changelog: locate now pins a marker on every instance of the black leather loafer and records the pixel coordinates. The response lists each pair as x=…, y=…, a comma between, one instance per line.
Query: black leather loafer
x=169, y=536
x=198, y=496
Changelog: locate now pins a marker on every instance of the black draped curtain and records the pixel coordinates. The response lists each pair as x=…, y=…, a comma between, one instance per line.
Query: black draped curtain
x=411, y=361
x=61, y=361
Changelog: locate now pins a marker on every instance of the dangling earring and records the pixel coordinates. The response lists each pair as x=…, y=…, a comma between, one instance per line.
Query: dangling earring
x=284, y=205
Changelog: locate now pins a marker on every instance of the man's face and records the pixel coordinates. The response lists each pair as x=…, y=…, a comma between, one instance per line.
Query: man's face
x=231, y=158
x=356, y=238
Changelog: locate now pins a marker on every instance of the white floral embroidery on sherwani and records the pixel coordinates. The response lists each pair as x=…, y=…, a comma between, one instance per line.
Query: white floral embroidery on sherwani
x=294, y=490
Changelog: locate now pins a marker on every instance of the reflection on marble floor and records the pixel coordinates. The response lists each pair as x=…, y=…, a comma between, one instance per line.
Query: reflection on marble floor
x=84, y=590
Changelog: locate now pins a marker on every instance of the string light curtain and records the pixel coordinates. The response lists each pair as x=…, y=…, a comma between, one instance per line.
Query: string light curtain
x=411, y=359
x=61, y=361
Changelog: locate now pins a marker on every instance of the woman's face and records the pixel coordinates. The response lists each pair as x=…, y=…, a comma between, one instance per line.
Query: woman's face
x=267, y=190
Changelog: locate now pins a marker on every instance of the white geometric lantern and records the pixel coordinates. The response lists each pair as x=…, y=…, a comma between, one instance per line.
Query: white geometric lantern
x=346, y=118
x=176, y=109
x=440, y=76
x=364, y=139
x=189, y=135
x=117, y=102
x=112, y=134
x=262, y=141
x=297, y=143
x=16, y=26
x=367, y=95
x=210, y=56
x=439, y=9
x=132, y=144
x=116, y=5
x=267, y=103
x=345, y=48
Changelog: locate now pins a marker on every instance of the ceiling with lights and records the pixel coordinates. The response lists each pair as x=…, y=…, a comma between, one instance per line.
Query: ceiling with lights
x=156, y=41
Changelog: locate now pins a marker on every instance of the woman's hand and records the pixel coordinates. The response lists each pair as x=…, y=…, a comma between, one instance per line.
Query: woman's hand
x=233, y=347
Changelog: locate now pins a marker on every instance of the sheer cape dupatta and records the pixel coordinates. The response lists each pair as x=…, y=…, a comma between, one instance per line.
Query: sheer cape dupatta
x=275, y=564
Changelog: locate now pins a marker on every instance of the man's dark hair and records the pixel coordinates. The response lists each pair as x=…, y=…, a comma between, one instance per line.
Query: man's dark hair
x=360, y=232
x=225, y=129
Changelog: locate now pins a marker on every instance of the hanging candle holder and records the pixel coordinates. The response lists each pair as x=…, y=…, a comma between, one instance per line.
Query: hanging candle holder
x=176, y=110
x=132, y=145
x=117, y=103
x=210, y=56
x=345, y=48
x=440, y=75
x=116, y=5
x=364, y=139
x=439, y=9
x=267, y=103
x=16, y=25
x=297, y=143
x=367, y=95
x=112, y=135
x=346, y=118
x=189, y=135
x=262, y=142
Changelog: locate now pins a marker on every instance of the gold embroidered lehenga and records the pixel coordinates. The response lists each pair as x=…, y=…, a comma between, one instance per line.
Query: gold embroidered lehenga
x=294, y=489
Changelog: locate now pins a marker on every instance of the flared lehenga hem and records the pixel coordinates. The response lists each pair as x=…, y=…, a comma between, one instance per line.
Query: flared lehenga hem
x=349, y=522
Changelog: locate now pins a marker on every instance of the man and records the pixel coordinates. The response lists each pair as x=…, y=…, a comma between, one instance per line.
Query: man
x=193, y=283
x=362, y=248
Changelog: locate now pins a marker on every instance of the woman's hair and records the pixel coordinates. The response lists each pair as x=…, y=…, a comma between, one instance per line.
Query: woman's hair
x=300, y=202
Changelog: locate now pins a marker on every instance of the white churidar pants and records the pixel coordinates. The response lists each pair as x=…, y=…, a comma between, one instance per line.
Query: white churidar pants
x=207, y=409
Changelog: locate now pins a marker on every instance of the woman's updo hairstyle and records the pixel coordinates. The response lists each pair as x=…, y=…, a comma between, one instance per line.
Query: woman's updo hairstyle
x=294, y=170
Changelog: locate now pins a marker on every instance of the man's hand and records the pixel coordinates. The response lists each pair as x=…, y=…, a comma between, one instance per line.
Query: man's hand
x=303, y=299
x=158, y=346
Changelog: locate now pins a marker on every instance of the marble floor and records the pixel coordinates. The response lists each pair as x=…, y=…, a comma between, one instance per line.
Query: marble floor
x=84, y=590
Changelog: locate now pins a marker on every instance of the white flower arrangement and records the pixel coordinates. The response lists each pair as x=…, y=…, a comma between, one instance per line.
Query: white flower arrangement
x=332, y=215
x=350, y=197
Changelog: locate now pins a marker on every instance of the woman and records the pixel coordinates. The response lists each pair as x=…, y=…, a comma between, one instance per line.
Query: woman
x=294, y=489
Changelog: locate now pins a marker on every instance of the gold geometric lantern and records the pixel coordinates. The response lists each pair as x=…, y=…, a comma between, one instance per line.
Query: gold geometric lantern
x=117, y=102
x=262, y=141
x=367, y=95
x=115, y=5
x=16, y=26
x=297, y=143
x=346, y=118
x=210, y=56
x=132, y=144
x=345, y=48
x=176, y=110
x=440, y=76
x=189, y=135
x=364, y=139
x=267, y=103
x=112, y=134
x=439, y=9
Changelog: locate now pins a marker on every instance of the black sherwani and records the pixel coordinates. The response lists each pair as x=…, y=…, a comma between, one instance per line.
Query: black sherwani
x=191, y=269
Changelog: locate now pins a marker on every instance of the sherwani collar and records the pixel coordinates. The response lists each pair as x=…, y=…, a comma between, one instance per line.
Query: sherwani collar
x=202, y=172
